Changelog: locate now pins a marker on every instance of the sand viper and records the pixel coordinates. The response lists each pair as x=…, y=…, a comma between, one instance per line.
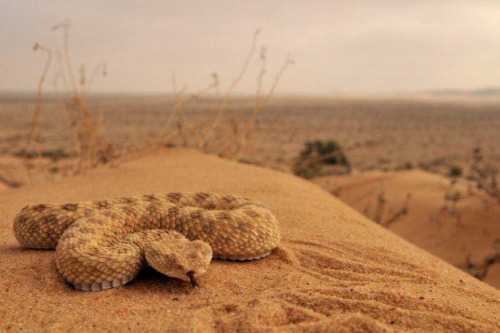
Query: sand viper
x=104, y=244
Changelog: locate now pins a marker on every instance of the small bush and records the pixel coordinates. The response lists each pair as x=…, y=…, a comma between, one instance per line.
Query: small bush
x=455, y=171
x=316, y=154
x=405, y=166
x=54, y=154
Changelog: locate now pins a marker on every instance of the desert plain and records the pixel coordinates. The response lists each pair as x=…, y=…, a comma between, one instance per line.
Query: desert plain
x=388, y=245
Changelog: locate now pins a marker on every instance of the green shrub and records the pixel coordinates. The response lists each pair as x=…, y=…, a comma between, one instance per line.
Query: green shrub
x=405, y=166
x=316, y=154
x=455, y=171
x=54, y=154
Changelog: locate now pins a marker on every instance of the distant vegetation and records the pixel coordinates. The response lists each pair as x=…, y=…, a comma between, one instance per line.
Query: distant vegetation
x=455, y=171
x=318, y=154
x=229, y=137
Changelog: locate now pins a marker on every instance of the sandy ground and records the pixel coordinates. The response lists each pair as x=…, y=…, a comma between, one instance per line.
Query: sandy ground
x=335, y=270
x=468, y=230
x=378, y=133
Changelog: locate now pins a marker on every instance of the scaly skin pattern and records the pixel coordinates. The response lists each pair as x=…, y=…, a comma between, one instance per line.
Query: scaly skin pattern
x=103, y=244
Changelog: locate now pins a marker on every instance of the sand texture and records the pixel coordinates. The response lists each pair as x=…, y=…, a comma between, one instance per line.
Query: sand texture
x=469, y=230
x=334, y=270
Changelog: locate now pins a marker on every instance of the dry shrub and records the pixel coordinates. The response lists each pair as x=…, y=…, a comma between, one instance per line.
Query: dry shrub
x=91, y=148
x=233, y=137
x=33, y=145
x=480, y=270
x=482, y=183
x=381, y=214
x=230, y=138
x=398, y=214
x=484, y=176
x=452, y=196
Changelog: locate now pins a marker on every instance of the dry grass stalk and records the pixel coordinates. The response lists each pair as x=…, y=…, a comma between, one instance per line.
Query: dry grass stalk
x=82, y=124
x=480, y=270
x=64, y=27
x=380, y=207
x=222, y=107
x=92, y=149
x=403, y=211
x=261, y=102
x=99, y=70
x=451, y=198
x=82, y=121
x=33, y=138
x=180, y=101
x=485, y=176
x=86, y=136
x=9, y=181
x=234, y=139
x=483, y=184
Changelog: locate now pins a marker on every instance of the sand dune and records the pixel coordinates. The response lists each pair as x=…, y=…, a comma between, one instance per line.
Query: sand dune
x=334, y=271
x=468, y=230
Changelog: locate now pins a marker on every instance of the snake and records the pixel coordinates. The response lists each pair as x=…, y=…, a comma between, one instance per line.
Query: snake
x=106, y=243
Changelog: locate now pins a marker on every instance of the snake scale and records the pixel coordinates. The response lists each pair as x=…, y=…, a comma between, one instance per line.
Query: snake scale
x=105, y=244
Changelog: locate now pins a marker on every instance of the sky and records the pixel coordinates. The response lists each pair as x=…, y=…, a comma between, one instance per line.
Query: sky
x=339, y=47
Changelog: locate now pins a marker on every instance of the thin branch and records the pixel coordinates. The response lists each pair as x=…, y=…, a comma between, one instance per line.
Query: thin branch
x=230, y=90
x=64, y=26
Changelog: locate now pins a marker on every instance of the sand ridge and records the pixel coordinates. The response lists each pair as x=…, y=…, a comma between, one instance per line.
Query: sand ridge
x=334, y=270
x=470, y=229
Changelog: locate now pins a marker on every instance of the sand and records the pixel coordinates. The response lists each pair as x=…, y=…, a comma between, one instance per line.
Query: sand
x=376, y=132
x=469, y=231
x=334, y=270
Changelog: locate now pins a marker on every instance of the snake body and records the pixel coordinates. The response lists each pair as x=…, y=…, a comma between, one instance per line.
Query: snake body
x=104, y=244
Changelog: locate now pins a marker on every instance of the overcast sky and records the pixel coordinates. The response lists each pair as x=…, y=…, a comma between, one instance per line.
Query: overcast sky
x=377, y=46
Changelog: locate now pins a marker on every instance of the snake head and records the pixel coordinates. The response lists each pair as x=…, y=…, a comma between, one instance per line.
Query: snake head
x=181, y=259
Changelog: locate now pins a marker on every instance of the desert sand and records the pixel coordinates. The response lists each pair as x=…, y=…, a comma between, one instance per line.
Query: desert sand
x=335, y=270
x=376, y=133
x=468, y=230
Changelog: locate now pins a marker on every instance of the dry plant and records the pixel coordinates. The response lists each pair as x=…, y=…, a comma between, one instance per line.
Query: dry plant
x=403, y=211
x=260, y=103
x=380, y=207
x=482, y=183
x=237, y=140
x=179, y=102
x=228, y=137
x=381, y=214
x=484, y=175
x=33, y=137
x=202, y=144
x=91, y=149
x=9, y=181
x=480, y=270
x=337, y=191
x=451, y=198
